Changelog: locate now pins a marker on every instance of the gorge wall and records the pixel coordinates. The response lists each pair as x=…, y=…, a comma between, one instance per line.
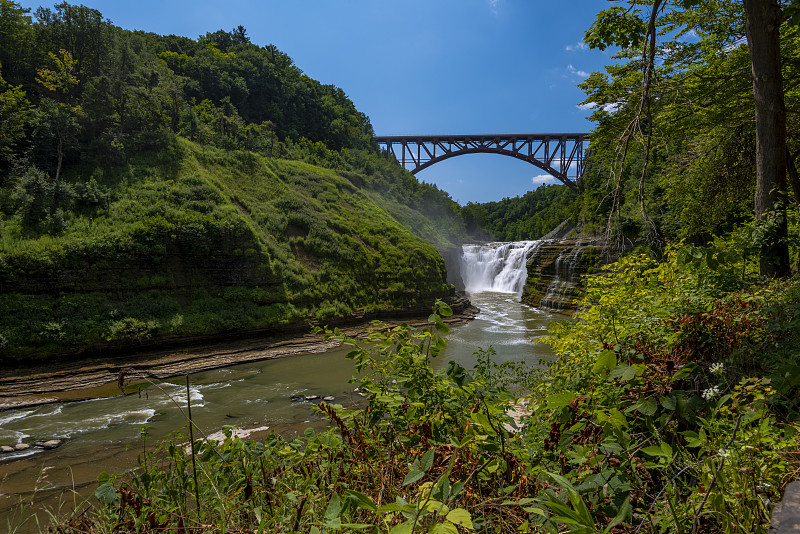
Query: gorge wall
x=555, y=269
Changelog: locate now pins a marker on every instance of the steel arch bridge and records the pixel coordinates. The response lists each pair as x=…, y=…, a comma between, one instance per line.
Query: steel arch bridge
x=556, y=154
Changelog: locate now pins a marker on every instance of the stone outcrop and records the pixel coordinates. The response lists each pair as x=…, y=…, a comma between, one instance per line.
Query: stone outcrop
x=555, y=270
x=786, y=515
x=452, y=262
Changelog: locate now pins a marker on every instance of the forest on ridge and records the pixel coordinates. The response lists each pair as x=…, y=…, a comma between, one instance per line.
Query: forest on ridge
x=208, y=186
x=161, y=187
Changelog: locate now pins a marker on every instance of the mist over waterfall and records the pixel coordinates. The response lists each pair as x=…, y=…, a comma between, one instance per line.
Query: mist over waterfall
x=496, y=266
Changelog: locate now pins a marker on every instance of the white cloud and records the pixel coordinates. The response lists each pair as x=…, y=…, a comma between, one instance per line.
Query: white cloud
x=611, y=107
x=735, y=44
x=573, y=70
x=579, y=46
x=542, y=179
x=493, y=5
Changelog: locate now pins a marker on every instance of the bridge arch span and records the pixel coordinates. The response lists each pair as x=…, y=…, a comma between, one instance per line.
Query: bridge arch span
x=509, y=153
x=556, y=154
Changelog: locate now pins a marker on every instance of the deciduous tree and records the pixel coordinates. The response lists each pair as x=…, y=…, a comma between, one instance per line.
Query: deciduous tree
x=673, y=97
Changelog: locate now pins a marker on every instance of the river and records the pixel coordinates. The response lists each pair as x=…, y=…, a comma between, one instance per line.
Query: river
x=107, y=434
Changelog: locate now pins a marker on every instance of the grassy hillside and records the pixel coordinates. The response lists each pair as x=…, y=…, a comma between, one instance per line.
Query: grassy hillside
x=155, y=186
x=195, y=239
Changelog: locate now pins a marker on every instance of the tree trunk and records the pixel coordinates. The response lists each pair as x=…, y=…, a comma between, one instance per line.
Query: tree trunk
x=763, y=39
x=794, y=179
x=60, y=158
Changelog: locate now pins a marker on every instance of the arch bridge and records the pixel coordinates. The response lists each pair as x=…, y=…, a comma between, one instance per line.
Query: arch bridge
x=561, y=155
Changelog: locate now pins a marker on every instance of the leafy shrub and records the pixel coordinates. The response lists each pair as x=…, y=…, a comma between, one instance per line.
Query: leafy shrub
x=653, y=410
x=132, y=330
x=175, y=323
x=54, y=331
x=36, y=197
x=328, y=309
x=90, y=194
x=56, y=222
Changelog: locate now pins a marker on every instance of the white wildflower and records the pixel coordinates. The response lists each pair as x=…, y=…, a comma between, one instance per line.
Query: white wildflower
x=717, y=368
x=710, y=393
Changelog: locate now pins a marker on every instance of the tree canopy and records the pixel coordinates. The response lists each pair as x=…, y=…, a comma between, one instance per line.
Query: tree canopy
x=126, y=90
x=674, y=151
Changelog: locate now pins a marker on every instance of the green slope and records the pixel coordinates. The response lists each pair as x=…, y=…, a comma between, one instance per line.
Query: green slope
x=196, y=240
x=529, y=216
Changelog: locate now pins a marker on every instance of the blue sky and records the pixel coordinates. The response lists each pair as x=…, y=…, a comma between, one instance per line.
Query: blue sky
x=419, y=66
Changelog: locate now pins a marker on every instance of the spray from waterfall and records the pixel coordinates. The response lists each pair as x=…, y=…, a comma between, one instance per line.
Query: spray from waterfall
x=497, y=267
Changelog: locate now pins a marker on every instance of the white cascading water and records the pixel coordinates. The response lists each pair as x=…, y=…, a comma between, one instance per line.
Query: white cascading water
x=564, y=280
x=497, y=267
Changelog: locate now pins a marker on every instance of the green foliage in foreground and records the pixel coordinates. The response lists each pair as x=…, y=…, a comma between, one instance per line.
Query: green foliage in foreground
x=675, y=397
x=672, y=407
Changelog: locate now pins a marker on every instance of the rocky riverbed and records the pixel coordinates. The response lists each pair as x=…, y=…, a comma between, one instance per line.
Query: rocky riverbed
x=47, y=445
x=109, y=375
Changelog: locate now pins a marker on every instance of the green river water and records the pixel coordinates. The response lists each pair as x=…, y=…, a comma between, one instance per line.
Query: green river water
x=107, y=434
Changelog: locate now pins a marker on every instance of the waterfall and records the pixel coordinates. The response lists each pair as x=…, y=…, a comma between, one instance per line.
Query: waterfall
x=564, y=282
x=496, y=266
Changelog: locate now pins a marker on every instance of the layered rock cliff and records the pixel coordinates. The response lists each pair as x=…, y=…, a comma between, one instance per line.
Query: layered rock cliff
x=555, y=270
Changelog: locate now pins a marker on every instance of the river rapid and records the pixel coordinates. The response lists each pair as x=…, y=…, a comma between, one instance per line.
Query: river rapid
x=108, y=434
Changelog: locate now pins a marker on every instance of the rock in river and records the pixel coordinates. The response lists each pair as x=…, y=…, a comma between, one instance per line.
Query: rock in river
x=310, y=398
x=6, y=448
x=22, y=446
x=49, y=444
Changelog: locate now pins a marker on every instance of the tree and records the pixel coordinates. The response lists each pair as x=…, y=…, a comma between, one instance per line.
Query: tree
x=61, y=81
x=239, y=34
x=80, y=30
x=16, y=36
x=40, y=200
x=14, y=108
x=666, y=91
x=55, y=133
x=474, y=216
x=763, y=38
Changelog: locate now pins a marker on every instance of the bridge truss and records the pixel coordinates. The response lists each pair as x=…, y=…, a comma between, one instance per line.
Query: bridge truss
x=560, y=155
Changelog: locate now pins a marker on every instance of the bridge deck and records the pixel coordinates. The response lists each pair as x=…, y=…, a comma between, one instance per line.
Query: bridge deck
x=480, y=137
x=555, y=153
